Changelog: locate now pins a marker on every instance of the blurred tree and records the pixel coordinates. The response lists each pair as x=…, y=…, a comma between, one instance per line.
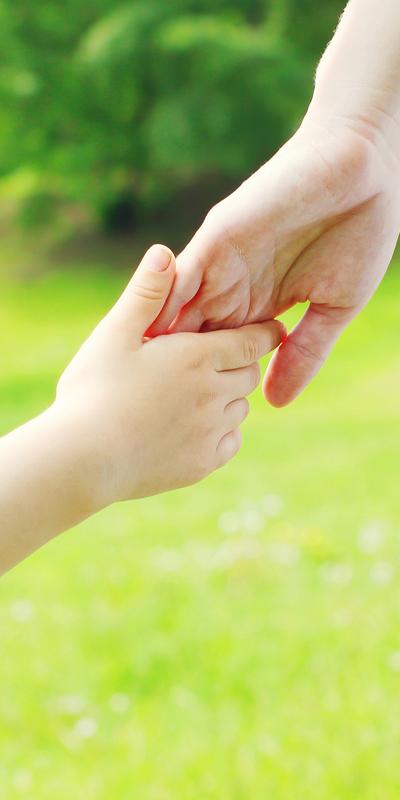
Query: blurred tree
x=122, y=104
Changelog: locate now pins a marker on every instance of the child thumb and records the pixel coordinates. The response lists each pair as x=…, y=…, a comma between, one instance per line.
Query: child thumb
x=146, y=293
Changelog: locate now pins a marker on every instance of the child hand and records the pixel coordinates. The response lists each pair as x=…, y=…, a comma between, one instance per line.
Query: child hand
x=154, y=415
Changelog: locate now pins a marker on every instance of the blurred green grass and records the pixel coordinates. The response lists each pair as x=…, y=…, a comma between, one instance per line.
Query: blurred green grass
x=238, y=639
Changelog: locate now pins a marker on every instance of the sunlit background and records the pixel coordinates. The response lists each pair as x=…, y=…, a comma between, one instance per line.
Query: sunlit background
x=240, y=639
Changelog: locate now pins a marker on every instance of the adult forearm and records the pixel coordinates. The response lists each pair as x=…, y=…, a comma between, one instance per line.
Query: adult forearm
x=43, y=487
x=359, y=75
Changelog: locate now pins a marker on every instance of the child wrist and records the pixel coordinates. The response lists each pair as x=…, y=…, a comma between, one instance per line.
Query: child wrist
x=81, y=457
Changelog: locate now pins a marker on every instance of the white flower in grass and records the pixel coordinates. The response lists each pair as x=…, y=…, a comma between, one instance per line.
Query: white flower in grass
x=22, y=610
x=197, y=556
x=285, y=554
x=342, y=618
x=224, y=556
x=22, y=780
x=69, y=740
x=71, y=704
x=372, y=537
x=229, y=522
x=394, y=661
x=236, y=552
x=119, y=703
x=272, y=505
x=252, y=520
x=381, y=573
x=85, y=728
x=165, y=560
x=338, y=574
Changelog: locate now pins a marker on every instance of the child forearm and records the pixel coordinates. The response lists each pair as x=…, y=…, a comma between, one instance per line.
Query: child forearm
x=359, y=75
x=44, y=487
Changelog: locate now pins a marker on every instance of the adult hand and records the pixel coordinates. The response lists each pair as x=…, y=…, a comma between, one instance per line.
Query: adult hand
x=316, y=224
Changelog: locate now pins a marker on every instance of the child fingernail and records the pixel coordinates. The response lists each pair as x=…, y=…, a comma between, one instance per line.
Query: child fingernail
x=159, y=258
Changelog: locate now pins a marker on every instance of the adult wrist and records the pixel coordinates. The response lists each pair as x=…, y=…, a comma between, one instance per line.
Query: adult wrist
x=358, y=79
x=371, y=114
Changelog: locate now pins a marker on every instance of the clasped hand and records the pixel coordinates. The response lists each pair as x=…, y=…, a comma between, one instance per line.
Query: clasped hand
x=318, y=224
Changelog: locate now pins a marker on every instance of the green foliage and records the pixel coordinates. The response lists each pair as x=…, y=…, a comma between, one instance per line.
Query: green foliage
x=148, y=96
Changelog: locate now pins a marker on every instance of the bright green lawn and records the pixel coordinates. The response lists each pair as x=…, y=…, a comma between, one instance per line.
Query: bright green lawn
x=236, y=641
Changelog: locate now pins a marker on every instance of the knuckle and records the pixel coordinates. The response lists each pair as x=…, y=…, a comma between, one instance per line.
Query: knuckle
x=246, y=408
x=230, y=447
x=308, y=351
x=255, y=375
x=206, y=398
x=197, y=361
x=147, y=292
x=204, y=434
x=251, y=350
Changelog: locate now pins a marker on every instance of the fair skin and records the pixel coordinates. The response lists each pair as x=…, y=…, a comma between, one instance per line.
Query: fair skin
x=319, y=222
x=118, y=428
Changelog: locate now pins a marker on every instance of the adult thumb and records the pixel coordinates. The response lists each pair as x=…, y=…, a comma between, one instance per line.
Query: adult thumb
x=146, y=293
x=303, y=353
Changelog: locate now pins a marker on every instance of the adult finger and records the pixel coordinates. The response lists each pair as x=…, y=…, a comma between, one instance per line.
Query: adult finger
x=303, y=353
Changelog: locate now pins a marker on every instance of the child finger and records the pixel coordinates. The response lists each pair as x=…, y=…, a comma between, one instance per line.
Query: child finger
x=228, y=447
x=236, y=413
x=241, y=347
x=241, y=382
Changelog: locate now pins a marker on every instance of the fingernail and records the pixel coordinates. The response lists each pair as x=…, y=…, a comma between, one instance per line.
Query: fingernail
x=159, y=258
